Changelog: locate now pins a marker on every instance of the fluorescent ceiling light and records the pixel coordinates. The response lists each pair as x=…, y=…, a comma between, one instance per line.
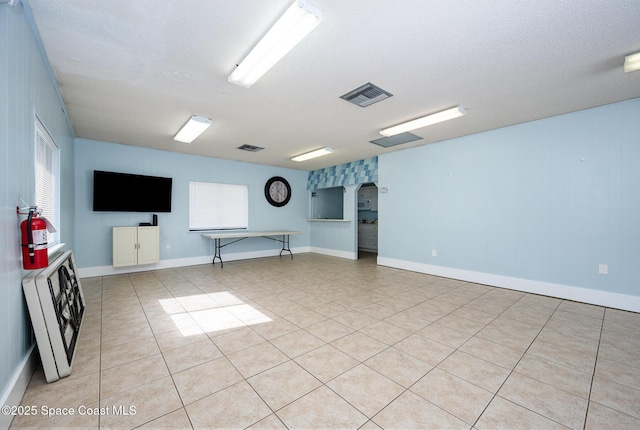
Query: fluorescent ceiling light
x=313, y=154
x=632, y=62
x=287, y=32
x=434, y=118
x=192, y=129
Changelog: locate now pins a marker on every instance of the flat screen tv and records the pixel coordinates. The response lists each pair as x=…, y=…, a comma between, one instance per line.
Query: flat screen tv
x=124, y=192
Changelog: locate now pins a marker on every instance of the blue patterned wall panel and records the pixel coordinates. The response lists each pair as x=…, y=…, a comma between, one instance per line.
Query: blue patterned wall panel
x=355, y=172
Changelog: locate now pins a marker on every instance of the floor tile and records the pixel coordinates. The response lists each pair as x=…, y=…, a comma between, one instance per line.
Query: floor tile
x=480, y=372
x=271, y=422
x=127, y=352
x=493, y=352
x=610, y=352
x=321, y=408
x=618, y=372
x=356, y=320
x=424, y=349
x=121, y=378
x=460, y=323
x=616, y=396
x=190, y=355
x=297, y=343
x=601, y=417
x=276, y=328
x=141, y=404
x=176, y=420
x=283, y=384
x=399, y=366
x=444, y=335
x=237, y=406
x=385, y=332
x=549, y=372
x=366, y=389
x=503, y=414
x=334, y=343
x=563, y=355
x=410, y=411
x=237, y=340
x=455, y=395
x=305, y=317
x=329, y=330
x=256, y=359
x=205, y=379
x=558, y=405
x=359, y=346
x=326, y=362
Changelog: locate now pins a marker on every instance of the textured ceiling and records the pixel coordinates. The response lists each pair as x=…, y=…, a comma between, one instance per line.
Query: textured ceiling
x=134, y=71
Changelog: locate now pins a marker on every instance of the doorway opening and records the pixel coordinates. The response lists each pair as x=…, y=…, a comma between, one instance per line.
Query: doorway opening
x=368, y=220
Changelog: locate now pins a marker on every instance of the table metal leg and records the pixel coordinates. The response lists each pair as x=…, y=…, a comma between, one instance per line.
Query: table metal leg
x=285, y=245
x=217, y=252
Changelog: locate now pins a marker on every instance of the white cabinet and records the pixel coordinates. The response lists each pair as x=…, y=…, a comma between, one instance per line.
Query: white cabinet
x=368, y=237
x=136, y=245
x=370, y=194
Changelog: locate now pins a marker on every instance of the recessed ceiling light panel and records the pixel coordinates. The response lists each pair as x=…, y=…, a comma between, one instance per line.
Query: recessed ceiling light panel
x=313, y=154
x=192, y=129
x=425, y=121
x=298, y=21
x=632, y=62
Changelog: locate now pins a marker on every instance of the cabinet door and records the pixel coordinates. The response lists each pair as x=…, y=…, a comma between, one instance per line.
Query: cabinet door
x=364, y=193
x=148, y=245
x=125, y=252
x=374, y=199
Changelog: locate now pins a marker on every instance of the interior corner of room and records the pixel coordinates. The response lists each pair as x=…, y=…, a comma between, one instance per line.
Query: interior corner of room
x=531, y=186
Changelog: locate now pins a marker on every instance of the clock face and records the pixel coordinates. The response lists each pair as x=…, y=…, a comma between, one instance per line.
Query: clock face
x=277, y=191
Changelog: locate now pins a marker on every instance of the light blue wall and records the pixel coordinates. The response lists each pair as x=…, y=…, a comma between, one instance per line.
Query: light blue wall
x=547, y=201
x=26, y=89
x=96, y=226
x=338, y=238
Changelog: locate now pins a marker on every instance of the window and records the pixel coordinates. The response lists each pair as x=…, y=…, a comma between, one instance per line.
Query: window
x=47, y=174
x=218, y=206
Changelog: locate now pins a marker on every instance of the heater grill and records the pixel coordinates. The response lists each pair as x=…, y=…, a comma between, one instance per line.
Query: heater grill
x=398, y=139
x=366, y=95
x=250, y=148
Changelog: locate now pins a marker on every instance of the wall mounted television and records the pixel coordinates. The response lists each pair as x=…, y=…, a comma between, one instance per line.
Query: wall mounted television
x=125, y=192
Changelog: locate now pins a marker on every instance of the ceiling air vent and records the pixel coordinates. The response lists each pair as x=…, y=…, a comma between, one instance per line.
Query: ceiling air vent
x=398, y=139
x=250, y=148
x=366, y=95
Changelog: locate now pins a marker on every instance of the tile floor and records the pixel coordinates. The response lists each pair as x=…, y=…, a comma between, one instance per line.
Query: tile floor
x=321, y=342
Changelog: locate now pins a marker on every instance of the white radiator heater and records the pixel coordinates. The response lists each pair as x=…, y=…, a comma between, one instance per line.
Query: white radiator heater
x=56, y=306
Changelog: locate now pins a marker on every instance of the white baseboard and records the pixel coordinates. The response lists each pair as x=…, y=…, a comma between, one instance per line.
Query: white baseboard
x=18, y=385
x=88, y=272
x=578, y=294
x=334, y=253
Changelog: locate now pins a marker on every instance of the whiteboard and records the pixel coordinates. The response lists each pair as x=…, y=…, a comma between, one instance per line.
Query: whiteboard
x=218, y=206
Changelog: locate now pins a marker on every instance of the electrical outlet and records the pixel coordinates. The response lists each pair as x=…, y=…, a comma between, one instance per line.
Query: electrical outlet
x=167, y=247
x=434, y=253
x=603, y=269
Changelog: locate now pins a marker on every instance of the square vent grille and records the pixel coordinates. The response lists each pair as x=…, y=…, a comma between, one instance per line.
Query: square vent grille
x=250, y=148
x=366, y=95
x=398, y=139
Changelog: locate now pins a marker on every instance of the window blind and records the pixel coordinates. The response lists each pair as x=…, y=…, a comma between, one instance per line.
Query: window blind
x=46, y=170
x=218, y=206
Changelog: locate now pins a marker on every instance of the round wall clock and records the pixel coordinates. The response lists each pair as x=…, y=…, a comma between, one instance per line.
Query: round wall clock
x=277, y=191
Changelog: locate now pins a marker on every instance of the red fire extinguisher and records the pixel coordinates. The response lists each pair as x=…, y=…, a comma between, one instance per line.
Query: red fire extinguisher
x=34, y=241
